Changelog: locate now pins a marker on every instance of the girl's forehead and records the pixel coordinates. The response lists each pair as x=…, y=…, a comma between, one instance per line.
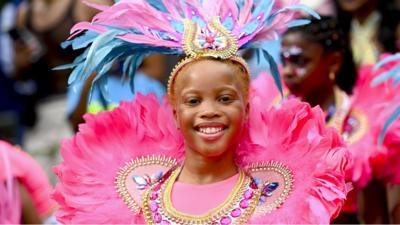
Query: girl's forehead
x=206, y=74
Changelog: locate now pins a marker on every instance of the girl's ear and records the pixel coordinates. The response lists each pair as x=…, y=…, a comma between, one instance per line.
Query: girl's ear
x=336, y=62
x=247, y=111
x=175, y=118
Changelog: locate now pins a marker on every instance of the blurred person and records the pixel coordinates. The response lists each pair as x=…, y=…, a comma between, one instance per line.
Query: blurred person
x=147, y=80
x=318, y=68
x=18, y=87
x=52, y=20
x=371, y=27
x=24, y=189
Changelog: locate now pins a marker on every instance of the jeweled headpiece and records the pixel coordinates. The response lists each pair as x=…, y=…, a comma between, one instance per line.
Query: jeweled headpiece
x=131, y=29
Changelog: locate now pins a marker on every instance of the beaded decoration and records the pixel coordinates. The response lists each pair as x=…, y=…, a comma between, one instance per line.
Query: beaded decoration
x=236, y=209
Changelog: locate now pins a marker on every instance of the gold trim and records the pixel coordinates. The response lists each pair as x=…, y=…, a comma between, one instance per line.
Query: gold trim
x=288, y=178
x=123, y=172
x=362, y=128
x=222, y=209
x=194, y=51
x=167, y=211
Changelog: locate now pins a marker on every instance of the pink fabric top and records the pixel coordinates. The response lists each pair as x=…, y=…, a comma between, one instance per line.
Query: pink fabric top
x=201, y=198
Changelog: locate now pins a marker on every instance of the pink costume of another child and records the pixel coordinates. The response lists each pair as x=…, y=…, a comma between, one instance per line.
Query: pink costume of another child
x=360, y=119
x=17, y=169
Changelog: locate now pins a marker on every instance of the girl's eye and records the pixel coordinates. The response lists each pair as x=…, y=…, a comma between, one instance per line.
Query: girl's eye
x=193, y=101
x=225, y=99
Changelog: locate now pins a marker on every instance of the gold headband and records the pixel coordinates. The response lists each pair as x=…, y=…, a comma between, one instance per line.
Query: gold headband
x=213, y=41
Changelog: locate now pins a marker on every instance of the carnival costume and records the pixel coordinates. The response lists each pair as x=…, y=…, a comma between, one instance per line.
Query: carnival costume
x=360, y=118
x=122, y=165
x=18, y=168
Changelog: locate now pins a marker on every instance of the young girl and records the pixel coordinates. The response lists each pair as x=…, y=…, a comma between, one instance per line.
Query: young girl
x=212, y=154
x=318, y=68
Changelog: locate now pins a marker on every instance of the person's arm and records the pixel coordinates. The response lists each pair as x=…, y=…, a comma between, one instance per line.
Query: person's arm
x=48, y=13
x=76, y=116
x=374, y=208
x=29, y=212
x=396, y=213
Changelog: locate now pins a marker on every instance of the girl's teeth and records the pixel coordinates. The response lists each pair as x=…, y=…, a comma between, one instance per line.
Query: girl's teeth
x=210, y=130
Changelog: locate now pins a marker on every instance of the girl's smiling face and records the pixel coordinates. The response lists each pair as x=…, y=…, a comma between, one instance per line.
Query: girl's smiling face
x=210, y=106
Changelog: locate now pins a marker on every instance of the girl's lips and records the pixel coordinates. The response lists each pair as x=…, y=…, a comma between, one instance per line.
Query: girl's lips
x=211, y=136
x=210, y=131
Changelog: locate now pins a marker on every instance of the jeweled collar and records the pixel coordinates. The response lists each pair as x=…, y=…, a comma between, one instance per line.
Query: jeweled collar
x=237, y=208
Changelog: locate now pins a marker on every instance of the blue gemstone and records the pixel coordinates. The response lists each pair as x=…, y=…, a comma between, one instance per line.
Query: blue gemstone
x=270, y=187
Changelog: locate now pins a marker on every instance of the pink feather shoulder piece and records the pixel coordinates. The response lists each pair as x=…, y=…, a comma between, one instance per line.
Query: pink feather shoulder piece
x=116, y=154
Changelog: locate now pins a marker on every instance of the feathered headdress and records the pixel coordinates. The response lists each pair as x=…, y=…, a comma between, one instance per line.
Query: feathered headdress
x=131, y=29
x=389, y=71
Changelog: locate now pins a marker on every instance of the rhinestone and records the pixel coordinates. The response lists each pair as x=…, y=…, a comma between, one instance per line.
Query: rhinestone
x=153, y=195
x=226, y=220
x=157, y=217
x=248, y=194
x=165, y=222
x=153, y=206
x=244, y=203
x=236, y=212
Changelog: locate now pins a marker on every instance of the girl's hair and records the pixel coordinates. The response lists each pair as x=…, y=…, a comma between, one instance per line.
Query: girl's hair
x=329, y=34
x=386, y=34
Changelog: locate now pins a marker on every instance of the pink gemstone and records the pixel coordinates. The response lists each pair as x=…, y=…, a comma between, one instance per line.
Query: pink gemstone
x=244, y=203
x=153, y=195
x=165, y=222
x=248, y=194
x=157, y=217
x=253, y=185
x=210, y=40
x=153, y=206
x=157, y=187
x=226, y=220
x=236, y=212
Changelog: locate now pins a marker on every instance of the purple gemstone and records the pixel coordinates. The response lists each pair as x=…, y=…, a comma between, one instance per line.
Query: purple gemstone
x=153, y=195
x=244, y=203
x=236, y=212
x=270, y=187
x=226, y=220
x=153, y=206
x=263, y=198
x=165, y=222
x=248, y=194
x=157, y=218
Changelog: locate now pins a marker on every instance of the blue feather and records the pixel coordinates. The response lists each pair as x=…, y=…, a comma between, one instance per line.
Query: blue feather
x=250, y=27
x=274, y=70
x=74, y=76
x=264, y=6
x=387, y=60
x=178, y=26
x=299, y=22
x=228, y=23
x=99, y=47
x=304, y=8
x=386, y=75
x=388, y=122
x=159, y=5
